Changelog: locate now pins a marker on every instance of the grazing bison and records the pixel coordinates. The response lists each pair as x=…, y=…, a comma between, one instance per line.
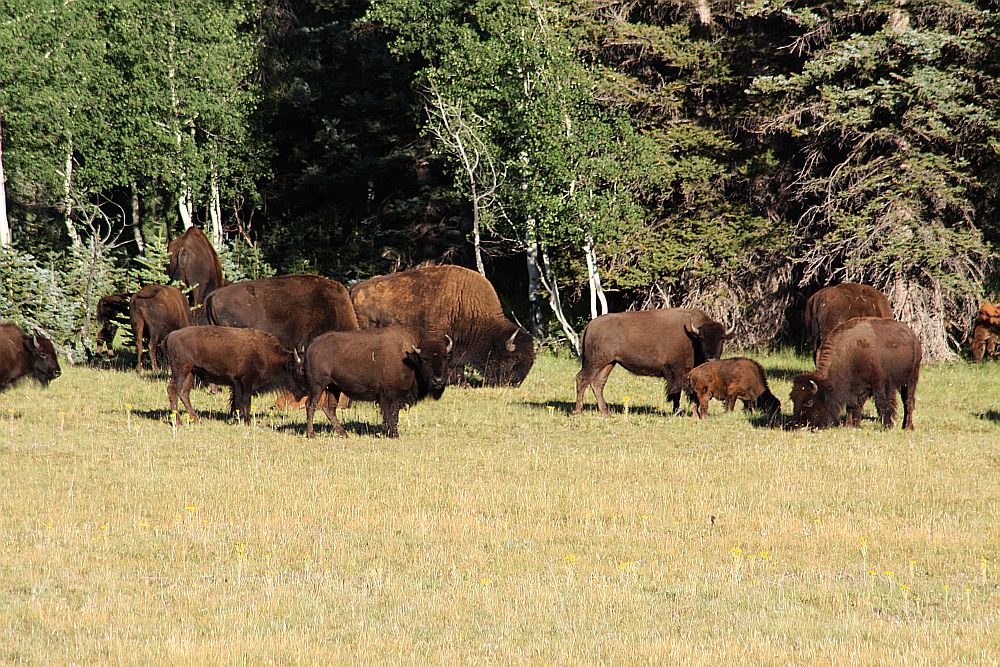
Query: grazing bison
x=22, y=356
x=194, y=262
x=728, y=380
x=664, y=343
x=249, y=361
x=862, y=358
x=838, y=303
x=986, y=332
x=456, y=301
x=293, y=309
x=111, y=309
x=393, y=366
x=156, y=310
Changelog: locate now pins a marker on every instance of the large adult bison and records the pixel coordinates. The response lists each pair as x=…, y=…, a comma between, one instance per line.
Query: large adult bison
x=838, y=303
x=862, y=358
x=394, y=366
x=664, y=343
x=249, y=361
x=23, y=356
x=194, y=262
x=293, y=309
x=456, y=301
x=986, y=332
x=156, y=310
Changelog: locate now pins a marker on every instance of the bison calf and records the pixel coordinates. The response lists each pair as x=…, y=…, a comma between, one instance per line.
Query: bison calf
x=22, y=355
x=862, y=358
x=394, y=367
x=249, y=361
x=730, y=380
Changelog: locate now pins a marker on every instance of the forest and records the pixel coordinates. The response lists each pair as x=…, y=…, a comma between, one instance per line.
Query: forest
x=586, y=155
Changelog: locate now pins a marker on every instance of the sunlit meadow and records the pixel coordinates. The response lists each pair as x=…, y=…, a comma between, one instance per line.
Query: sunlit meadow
x=497, y=529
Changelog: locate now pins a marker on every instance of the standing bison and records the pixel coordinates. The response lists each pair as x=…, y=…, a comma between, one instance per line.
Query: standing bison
x=664, y=343
x=394, y=366
x=293, y=309
x=249, y=361
x=194, y=262
x=862, y=358
x=730, y=380
x=838, y=303
x=156, y=310
x=110, y=309
x=22, y=356
x=456, y=301
x=986, y=332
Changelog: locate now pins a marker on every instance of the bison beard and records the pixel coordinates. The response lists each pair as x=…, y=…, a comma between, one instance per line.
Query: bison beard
x=249, y=361
x=866, y=357
x=394, y=367
x=456, y=301
x=23, y=356
x=664, y=343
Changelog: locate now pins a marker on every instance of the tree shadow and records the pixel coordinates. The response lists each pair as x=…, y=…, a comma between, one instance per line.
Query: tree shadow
x=990, y=415
x=567, y=407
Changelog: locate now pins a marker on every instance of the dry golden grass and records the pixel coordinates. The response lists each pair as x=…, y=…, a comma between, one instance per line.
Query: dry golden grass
x=498, y=529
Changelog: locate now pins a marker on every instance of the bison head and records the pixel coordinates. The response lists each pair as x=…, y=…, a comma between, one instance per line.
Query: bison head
x=511, y=359
x=44, y=364
x=981, y=339
x=707, y=339
x=812, y=402
x=430, y=364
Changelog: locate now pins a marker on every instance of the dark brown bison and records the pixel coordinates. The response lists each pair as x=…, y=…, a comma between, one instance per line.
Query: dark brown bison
x=23, y=355
x=293, y=309
x=194, y=262
x=393, y=366
x=456, y=301
x=730, y=380
x=838, y=303
x=862, y=358
x=664, y=343
x=156, y=310
x=111, y=310
x=249, y=361
x=986, y=332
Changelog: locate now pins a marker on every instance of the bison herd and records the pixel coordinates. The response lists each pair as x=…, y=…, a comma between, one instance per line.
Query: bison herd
x=396, y=339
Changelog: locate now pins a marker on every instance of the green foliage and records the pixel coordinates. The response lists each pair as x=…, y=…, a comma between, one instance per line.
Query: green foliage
x=242, y=261
x=150, y=268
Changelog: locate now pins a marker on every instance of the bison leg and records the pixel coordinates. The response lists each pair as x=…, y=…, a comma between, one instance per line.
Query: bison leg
x=730, y=402
x=587, y=377
x=885, y=403
x=583, y=379
x=137, y=330
x=598, y=383
x=390, y=418
x=246, y=404
x=702, y=406
x=153, y=345
x=908, y=392
x=185, y=390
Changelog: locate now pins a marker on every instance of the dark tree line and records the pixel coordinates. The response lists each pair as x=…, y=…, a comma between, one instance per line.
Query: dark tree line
x=588, y=155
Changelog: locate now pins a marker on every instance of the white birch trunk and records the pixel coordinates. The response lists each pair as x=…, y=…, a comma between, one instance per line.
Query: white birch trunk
x=136, y=228
x=598, y=302
x=5, y=237
x=534, y=291
x=68, y=197
x=185, y=205
x=215, y=210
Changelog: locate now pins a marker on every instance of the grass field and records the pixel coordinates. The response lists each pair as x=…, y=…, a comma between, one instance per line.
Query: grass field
x=498, y=529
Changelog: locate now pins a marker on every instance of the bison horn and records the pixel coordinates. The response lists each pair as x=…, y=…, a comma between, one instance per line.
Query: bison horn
x=510, y=342
x=450, y=345
x=416, y=349
x=814, y=386
x=295, y=353
x=690, y=328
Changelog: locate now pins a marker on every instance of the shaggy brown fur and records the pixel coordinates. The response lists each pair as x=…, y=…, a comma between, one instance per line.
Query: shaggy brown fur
x=838, y=303
x=730, y=380
x=23, y=356
x=194, y=262
x=156, y=310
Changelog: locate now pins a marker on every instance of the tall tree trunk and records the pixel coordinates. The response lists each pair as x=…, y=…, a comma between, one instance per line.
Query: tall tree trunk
x=136, y=227
x=475, y=228
x=594, y=281
x=215, y=211
x=185, y=205
x=534, y=293
x=5, y=238
x=540, y=258
x=68, y=196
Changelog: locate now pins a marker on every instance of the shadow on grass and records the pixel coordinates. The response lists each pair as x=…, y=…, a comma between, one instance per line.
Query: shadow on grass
x=614, y=408
x=164, y=415
x=325, y=429
x=990, y=415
